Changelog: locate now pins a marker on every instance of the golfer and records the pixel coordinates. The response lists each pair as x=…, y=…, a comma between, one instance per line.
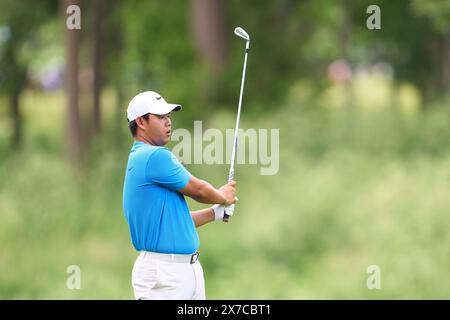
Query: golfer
x=162, y=228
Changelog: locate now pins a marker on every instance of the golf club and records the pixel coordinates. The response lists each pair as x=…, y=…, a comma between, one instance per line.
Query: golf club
x=244, y=35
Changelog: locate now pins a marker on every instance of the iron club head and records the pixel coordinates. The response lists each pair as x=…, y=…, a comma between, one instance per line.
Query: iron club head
x=241, y=33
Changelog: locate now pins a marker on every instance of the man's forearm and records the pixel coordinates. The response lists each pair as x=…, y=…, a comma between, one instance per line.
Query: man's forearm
x=209, y=195
x=202, y=217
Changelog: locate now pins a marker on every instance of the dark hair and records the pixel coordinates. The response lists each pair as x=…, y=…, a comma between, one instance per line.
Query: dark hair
x=133, y=125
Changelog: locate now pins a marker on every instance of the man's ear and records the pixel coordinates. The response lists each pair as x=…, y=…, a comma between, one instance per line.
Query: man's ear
x=140, y=123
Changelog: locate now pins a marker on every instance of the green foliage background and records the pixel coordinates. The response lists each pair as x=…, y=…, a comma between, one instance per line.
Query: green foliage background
x=364, y=174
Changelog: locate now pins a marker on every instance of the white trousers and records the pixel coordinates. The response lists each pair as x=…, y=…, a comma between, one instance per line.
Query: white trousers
x=159, y=276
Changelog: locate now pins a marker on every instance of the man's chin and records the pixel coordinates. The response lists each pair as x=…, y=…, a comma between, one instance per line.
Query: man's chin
x=165, y=141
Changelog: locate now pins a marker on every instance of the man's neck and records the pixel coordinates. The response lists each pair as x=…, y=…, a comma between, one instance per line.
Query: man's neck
x=141, y=138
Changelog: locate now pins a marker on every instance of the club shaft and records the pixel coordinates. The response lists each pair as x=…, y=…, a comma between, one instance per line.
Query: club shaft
x=236, y=128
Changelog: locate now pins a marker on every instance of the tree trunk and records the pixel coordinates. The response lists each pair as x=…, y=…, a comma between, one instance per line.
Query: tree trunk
x=446, y=63
x=73, y=116
x=120, y=113
x=15, y=82
x=208, y=25
x=345, y=41
x=98, y=17
x=346, y=28
x=17, y=138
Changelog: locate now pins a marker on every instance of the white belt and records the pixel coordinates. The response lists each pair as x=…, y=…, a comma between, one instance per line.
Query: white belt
x=169, y=257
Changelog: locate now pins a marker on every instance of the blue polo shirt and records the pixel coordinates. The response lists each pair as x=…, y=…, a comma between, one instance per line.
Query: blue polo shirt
x=157, y=214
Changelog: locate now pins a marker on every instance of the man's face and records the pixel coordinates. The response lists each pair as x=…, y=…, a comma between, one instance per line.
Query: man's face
x=157, y=129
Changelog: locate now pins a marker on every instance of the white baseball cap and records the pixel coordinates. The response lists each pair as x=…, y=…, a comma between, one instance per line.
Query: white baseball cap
x=149, y=102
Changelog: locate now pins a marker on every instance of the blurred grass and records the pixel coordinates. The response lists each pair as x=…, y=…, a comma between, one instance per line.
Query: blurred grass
x=356, y=187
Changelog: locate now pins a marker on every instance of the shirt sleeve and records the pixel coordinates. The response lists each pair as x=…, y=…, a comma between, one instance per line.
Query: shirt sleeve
x=165, y=169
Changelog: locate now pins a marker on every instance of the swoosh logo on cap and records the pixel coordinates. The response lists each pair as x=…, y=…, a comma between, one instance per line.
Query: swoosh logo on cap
x=157, y=98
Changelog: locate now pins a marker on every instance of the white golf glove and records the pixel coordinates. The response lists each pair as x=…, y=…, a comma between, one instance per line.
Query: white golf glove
x=219, y=211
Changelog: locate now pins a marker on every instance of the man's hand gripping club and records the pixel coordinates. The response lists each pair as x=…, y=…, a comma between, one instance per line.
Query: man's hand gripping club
x=228, y=192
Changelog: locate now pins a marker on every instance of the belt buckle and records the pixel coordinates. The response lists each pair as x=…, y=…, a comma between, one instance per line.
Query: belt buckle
x=194, y=258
